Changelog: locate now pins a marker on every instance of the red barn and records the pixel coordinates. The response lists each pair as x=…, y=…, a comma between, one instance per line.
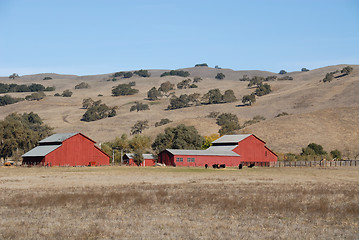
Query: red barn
x=67, y=149
x=230, y=150
x=148, y=160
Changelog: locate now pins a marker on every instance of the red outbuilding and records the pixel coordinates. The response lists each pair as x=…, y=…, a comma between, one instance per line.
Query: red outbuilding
x=148, y=160
x=67, y=149
x=231, y=150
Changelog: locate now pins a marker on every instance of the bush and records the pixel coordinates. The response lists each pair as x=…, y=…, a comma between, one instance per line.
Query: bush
x=166, y=87
x=184, y=84
x=14, y=75
x=82, y=85
x=153, y=94
x=123, y=90
x=142, y=73
x=328, y=77
x=213, y=96
x=176, y=73
x=128, y=75
x=57, y=95
x=263, y=89
x=139, y=107
x=213, y=114
x=305, y=70
x=336, y=154
x=47, y=78
x=138, y=127
x=197, y=79
x=179, y=102
x=347, y=70
x=313, y=149
x=220, y=76
x=256, y=81
x=50, y=89
x=66, y=93
x=35, y=96
x=193, y=86
x=285, y=78
x=163, y=121
x=249, y=99
x=228, y=96
x=7, y=99
x=271, y=78
x=132, y=84
x=282, y=72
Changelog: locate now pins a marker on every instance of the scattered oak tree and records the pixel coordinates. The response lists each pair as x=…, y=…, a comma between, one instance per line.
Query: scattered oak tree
x=153, y=94
x=139, y=126
x=220, y=76
x=139, y=107
x=124, y=90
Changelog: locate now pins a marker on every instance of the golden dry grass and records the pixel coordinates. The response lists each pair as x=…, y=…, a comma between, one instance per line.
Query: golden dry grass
x=179, y=203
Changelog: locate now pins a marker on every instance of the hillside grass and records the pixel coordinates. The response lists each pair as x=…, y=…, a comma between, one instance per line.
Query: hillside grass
x=179, y=203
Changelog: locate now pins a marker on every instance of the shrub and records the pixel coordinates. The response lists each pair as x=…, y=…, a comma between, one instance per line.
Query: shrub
x=228, y=96
x=47, y=78
x=305, y=70
x=179, y=102
x=57, y=95
x=336, y=154
x=132, y=84
x=263, y=89
x=282, y=114
x=163, y=121
x=249, y=99
x=271, y=78
x=184, y=84
x=118, y=74
x=213, y=114
x=82, y=85
x=123, y=90
x=282, y=72
x=128, y=75
x=213, y=96
x=66, y=93
x=220, y=76
x=285, y=78
x=153, y=94
x=328, y=77
x=313, y=149
x=14, y=75
x=180, y=73
x=139, y=107
x=347, y=70
x=193, y=86
x=197, y=79
x=35, y=96
x=50, y=89
x=244, y=78
x=7, y=99
x=255, y=81
x=142, y=73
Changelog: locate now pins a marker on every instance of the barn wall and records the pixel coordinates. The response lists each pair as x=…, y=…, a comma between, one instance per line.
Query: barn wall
x=166, y=158
x=201, y=161
x=253, y=150
x=77, y=151
x=146, y=162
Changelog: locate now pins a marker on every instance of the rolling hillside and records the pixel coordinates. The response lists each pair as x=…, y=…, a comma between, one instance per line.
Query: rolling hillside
x=324, y=113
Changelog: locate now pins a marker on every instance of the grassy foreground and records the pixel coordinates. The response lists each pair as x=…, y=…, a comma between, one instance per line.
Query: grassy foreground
x=179, y=203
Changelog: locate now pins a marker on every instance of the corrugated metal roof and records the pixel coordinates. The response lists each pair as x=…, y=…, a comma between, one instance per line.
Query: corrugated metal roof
x=145, y=156
x=206, y=152
x=41, y=151
x=221, y=148
x=231, y=138
x=58, y=137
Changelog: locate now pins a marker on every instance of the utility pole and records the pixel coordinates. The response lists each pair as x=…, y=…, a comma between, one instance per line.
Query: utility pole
x=113, y=156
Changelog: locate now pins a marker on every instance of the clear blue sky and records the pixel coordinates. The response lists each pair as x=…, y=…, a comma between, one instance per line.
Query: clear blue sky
x=93, y=37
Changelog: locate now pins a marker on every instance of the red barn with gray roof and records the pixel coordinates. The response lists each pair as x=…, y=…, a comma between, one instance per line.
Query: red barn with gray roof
x=148, y=160
x=231, y=150
x=66, y=149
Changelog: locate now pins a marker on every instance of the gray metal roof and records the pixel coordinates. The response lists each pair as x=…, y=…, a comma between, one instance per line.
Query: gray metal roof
x=145, y=156
x=231, y=138
x=58, y=137
x=41, y=151
x=212, y=152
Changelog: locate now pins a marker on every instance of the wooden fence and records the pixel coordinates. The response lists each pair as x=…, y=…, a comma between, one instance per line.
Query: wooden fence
x=324, y=163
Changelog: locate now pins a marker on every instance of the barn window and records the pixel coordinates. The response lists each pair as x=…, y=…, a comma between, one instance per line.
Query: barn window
x=179, y=159
x=190, y=159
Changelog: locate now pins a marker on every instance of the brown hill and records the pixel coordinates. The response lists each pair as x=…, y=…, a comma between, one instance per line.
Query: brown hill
x=324, y=113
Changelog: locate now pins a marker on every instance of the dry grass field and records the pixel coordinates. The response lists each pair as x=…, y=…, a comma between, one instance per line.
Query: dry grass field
x=179, y=203
x=324, y=113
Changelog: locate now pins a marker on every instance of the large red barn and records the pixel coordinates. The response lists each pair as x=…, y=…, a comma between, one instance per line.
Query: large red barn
x=231, y=150
x=67, y=149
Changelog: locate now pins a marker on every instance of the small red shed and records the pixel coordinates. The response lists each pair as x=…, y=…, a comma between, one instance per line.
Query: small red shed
x=231, y=150
x=148, y=160
x=66, y=149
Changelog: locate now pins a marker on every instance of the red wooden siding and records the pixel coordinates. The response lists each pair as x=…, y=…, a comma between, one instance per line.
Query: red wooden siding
x=145, y=163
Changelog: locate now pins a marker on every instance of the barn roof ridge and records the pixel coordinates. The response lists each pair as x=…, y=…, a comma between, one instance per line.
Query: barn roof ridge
x=232, y=138
x=58, y=137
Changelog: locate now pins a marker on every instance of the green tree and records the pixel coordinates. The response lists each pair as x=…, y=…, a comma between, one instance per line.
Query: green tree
x=128, y=75
x=166, y=87
x=35, y=96
x=213, y=96
x=263, y=89
x=347, y=70
x=256, y=81
x=220, y=76
x=139, y=126
x=123, y=90
x=179, y=102
x=328, y=77
x=180, y=137
x=97, y=111
x=336, y=154
x=7, y=99
x=163, y=121
x=249, y=99
x=180, y=73
x=184, y=84
x=197, y=79
x=201, y=65
x=139, y=107
x=82, y=85
x=142, y=73
x=153, y=94
x=313, y=149
x=228, y=96
x=47, y=78
x=282, y=72
x=66, y=93
x=228, y=122
x=305, y=70
x=87, y=102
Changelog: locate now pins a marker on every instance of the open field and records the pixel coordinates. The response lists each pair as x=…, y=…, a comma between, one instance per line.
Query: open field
x=179, y=203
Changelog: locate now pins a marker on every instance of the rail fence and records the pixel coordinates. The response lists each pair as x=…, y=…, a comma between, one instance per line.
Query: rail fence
x=324, y=163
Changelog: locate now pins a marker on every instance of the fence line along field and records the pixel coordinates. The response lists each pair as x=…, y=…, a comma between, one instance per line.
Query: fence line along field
x=179, y=203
